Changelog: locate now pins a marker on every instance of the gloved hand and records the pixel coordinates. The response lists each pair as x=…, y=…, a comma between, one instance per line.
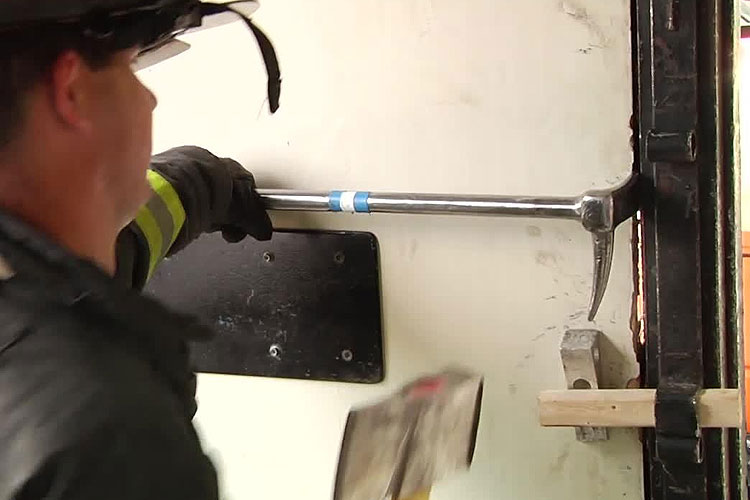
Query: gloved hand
x=246, y=214
x=218, y=194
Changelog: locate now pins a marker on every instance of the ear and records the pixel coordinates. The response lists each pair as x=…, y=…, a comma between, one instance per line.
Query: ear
x=68, y=86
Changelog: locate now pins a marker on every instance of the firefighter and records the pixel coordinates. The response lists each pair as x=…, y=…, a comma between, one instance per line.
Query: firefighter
x=96, y=393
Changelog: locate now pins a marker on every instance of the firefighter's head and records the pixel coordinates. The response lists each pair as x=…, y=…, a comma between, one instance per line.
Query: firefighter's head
x=72, y=111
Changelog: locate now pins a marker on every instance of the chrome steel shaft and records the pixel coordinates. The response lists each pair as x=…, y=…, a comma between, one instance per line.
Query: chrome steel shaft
x=600, y=212
x=413, y=203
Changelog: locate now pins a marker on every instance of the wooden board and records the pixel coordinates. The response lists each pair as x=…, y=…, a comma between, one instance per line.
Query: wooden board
x=631, y=408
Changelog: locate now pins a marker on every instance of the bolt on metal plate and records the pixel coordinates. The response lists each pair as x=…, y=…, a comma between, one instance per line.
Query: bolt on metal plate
x=581, y=359
x=274, y=351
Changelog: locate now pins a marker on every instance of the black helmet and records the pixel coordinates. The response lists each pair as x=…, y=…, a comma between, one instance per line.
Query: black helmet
x=149, y=24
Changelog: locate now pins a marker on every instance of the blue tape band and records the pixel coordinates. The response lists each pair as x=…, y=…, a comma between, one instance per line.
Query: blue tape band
x=334, y=201
x=361, y=204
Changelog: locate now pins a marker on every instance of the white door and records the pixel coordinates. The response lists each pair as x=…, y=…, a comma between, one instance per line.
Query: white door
x=476, y=96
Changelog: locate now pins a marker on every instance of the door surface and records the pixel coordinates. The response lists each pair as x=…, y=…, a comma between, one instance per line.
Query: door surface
x=479, y=96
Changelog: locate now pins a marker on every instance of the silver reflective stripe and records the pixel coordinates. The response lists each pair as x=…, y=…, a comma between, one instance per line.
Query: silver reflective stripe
x=163, y=217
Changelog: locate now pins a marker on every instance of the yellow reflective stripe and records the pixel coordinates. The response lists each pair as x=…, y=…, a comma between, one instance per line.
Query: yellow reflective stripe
x=170, y=198
x=147, y=222
x=161, y=219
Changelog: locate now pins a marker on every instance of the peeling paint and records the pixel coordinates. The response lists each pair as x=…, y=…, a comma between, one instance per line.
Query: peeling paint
x=538, y=337
x=582, y=15
x=534, y=231
x=560, y=460
x=546, y=258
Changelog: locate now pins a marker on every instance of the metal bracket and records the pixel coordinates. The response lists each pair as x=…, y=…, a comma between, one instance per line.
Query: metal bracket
x=598, y=211
x=678, y=434
x=581, y=358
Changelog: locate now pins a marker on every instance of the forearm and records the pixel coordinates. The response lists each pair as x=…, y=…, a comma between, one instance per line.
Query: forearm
x=194, y=192
x=143, y=243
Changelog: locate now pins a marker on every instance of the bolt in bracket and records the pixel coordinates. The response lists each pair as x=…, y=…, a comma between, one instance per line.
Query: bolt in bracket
x=581, y=361
x=599, y=212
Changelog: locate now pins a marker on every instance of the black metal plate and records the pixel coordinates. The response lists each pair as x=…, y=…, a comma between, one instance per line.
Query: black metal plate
x=304, y=305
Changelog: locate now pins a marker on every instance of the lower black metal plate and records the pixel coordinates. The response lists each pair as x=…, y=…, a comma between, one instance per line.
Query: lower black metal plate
x=304, y=305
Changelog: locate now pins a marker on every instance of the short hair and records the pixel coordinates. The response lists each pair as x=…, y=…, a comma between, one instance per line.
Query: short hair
x=27, y=57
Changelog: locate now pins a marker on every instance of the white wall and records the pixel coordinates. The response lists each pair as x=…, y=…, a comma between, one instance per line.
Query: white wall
x=473, y=96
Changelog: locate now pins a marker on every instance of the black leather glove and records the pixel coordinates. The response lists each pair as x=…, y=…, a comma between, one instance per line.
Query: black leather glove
x=218, y=194
x=246, y=214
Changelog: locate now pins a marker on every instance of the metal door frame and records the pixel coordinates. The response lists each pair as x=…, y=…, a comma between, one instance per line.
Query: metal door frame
x=685, y=148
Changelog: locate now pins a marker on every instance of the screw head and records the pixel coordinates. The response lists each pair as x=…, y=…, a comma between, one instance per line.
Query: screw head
x=339, y=257
x=347, y=355
x=275, y=351
x=268, y=257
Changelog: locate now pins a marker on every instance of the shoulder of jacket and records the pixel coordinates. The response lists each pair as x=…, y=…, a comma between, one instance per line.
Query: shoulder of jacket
x=58, y=388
